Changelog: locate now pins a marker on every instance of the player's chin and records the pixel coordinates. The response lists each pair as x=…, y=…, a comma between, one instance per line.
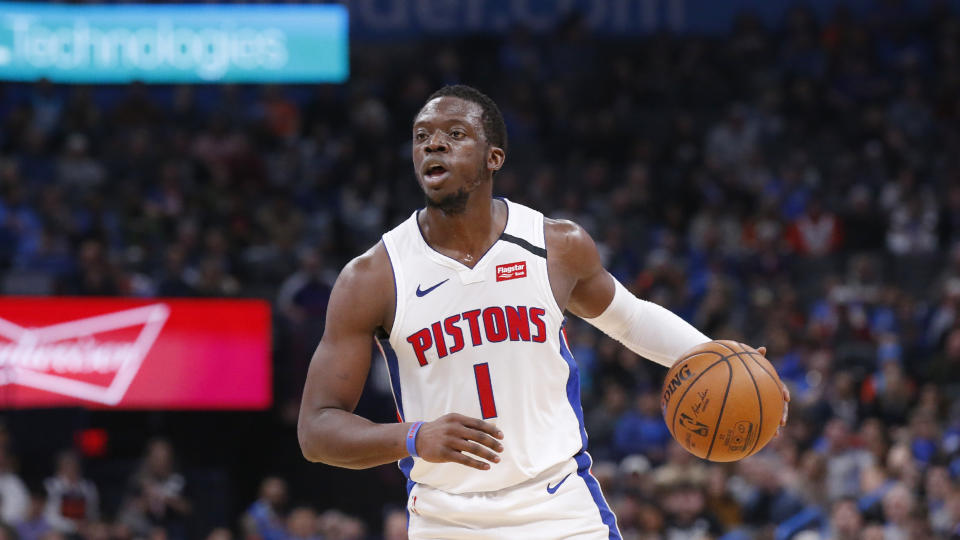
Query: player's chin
x=450, y=201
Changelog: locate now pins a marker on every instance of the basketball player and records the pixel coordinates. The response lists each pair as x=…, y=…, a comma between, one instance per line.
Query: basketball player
x=467, y=298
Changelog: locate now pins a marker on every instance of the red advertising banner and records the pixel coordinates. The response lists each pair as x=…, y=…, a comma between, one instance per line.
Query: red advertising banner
x=134, y=353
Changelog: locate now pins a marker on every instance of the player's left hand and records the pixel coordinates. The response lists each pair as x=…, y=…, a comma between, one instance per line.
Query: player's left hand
x=786, y=395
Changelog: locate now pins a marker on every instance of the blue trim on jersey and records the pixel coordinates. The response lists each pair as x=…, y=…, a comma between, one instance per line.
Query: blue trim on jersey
x=406, y=465
x=390, y=356
x=393, y=367
x=583, y=470
x=573, y=388
x=393, y=272
x=583, y=458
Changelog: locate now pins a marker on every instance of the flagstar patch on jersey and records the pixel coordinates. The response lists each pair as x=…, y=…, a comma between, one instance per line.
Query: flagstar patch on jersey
x=513, y=270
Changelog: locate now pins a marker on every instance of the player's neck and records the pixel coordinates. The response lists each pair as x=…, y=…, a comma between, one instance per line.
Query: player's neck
x=467, y=235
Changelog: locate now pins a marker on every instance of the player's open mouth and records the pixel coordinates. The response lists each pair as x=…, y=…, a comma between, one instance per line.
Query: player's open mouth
x=435, y=173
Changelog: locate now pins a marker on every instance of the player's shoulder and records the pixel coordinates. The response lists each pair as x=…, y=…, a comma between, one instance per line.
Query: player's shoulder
x=369, y=269
x=565, y=237
x=363, y=295
x=570, y=246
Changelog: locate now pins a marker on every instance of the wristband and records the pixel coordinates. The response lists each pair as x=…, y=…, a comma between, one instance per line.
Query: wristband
x=412, y=438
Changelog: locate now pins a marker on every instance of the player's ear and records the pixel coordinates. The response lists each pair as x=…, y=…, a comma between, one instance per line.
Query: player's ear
x=495, y=158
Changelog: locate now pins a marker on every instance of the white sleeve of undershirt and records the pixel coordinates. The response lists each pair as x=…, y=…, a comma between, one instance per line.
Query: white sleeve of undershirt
x=646, y=328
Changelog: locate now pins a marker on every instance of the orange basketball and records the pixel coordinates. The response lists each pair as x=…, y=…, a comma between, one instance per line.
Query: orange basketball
x=722, y=401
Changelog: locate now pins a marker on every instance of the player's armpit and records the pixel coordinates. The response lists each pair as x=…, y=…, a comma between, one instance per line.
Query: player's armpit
x=328, y=431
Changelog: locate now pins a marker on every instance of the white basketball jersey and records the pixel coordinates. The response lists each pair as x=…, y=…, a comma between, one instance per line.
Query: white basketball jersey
x=485, y=342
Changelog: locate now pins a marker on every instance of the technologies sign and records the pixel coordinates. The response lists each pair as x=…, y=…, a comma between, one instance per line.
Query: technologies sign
x=173, y=43
x=160, y=354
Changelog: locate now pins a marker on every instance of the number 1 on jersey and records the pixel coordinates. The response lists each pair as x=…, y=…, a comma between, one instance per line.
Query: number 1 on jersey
x=488, y=408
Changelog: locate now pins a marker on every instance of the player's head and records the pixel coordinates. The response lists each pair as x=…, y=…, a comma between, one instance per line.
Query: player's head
x=459, y=141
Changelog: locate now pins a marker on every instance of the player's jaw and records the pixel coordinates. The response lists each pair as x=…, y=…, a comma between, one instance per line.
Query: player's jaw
x=451, y=203
x=448, y=188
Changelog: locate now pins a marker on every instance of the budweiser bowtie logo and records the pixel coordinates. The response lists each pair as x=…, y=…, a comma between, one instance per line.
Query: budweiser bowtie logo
x=94, y=358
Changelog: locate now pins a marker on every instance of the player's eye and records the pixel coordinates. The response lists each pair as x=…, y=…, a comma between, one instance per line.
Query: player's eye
x=457, y=134
x=420, y=136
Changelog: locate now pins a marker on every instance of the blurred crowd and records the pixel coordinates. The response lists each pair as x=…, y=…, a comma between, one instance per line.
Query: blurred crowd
x=796, y=188
x=156, y=505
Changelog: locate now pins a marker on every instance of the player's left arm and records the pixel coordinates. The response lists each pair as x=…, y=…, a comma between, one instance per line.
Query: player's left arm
x=595, y=296
x=645, y=328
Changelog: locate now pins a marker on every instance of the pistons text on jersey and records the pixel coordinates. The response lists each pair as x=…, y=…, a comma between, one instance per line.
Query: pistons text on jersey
x=498, y=323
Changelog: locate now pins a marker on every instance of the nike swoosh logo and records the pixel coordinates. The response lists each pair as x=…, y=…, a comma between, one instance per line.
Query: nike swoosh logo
x=552, y=490
x=427, y=291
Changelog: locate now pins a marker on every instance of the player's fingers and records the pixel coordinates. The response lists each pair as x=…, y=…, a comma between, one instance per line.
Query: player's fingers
x=762, y=351
x=463, y=459
x=477, y=450
x=786, y=406
x=482, y=438
x=485, y=427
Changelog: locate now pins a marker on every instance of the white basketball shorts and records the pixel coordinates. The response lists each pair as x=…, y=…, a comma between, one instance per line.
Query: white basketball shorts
x=564, y=502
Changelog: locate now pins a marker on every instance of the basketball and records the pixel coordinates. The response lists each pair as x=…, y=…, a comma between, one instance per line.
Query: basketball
x=722, y=401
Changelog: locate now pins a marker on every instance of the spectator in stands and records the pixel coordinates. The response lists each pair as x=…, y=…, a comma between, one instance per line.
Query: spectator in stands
x=684, y=501
x=77, y=171
x=72, y=500
x=888, y=391
x=7, y=532
x=302, y=303
x=641, y=430
x=938, y=488
x=96, y=530
x=846, y=521
x=176, y=278
x=35, y=524
x=720, y=501
x=96, y=274
x=733, y=140
x=265, y=519
x=14, y=497
x=157, y=498
x=303, y=524
x=816, y=233
x=604, y=417
x=845, y=460
x=395, y=525
x=898, y=504
x=220, y=533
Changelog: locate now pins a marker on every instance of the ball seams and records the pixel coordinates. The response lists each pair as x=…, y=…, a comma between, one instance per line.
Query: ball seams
x=756, y=389
x=723, y=406
x=673, y=419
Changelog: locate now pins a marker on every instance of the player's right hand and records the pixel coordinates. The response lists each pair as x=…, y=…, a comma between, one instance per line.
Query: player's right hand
x=448, y=437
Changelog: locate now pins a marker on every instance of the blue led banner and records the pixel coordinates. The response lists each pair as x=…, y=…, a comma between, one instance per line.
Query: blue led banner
x=173, y=43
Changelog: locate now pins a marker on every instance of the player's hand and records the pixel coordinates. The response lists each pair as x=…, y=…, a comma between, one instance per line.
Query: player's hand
x=448, y=437
x=786, y=395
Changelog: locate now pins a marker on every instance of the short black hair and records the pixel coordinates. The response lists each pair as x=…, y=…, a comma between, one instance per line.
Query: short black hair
x=494, y=129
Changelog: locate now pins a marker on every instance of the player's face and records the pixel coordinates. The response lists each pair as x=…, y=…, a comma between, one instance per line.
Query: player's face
x=451, y=156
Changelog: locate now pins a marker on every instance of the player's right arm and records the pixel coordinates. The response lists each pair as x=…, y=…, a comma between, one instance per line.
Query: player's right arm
x=362, y=301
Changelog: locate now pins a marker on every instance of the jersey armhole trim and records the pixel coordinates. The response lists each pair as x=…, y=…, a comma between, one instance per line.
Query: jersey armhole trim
x=539, y=252
x=397, y=306
x=546, y=268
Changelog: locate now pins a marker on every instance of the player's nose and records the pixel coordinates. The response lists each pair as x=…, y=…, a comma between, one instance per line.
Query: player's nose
x=436, y=143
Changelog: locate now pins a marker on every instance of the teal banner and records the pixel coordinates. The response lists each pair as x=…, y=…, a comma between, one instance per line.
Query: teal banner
x=173, y=43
